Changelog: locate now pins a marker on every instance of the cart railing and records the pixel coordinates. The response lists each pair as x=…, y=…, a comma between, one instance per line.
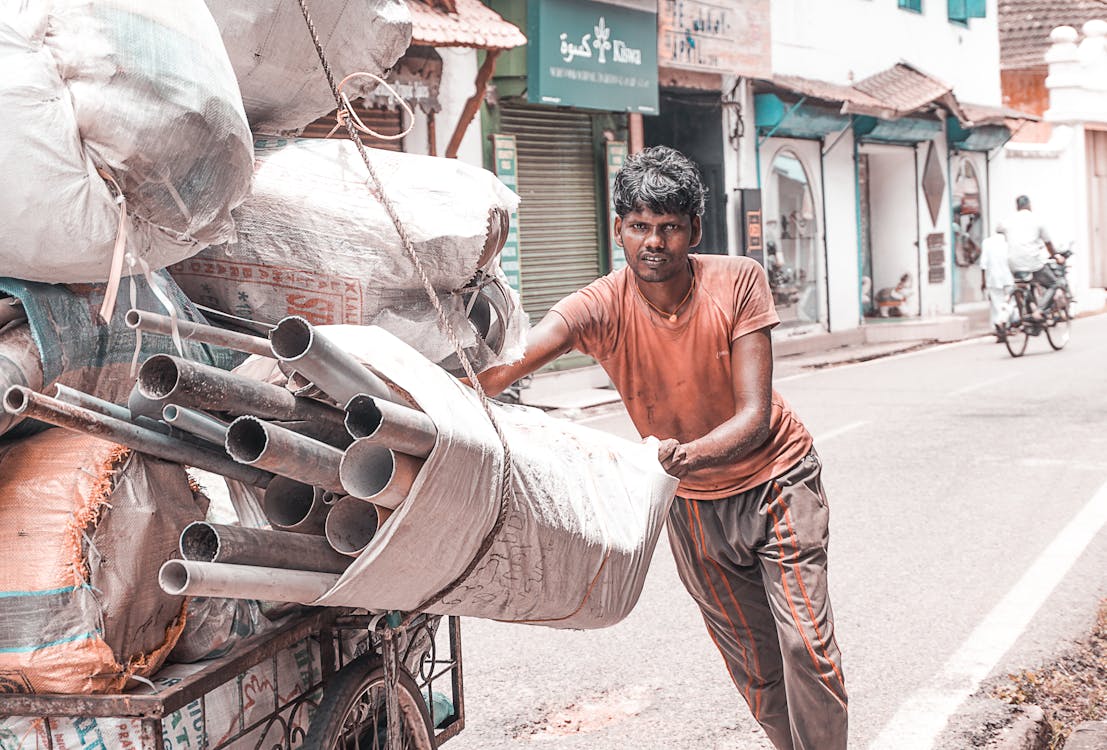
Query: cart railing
x=341, y=637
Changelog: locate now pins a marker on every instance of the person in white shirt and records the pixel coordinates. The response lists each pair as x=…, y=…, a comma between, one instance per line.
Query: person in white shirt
x=1029, y=250
x=995, y=280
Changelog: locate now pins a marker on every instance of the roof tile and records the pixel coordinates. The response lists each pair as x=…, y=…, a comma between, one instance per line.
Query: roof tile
x=1024, y=27
x=473, y=25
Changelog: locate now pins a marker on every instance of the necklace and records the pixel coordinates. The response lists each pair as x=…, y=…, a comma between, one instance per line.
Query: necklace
x=673, y=315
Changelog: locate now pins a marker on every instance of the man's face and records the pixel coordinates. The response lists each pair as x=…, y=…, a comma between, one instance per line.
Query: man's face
x=656, y=245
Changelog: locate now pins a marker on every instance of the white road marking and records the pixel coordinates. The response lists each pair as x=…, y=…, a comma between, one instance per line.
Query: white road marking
x=881, y=360
x=822, y=437
x=920, y=719
x=982, y=384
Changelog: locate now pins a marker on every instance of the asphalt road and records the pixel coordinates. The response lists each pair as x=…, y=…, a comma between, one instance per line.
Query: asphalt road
x=968, y=496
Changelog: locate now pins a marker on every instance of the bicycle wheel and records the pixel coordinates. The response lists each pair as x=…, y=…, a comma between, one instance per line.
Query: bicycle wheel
x=352, y=715
x=1015, y=331
x=1059, y=327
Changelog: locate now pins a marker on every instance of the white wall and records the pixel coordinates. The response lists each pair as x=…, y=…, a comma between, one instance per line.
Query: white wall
x=841, y=233
x=843, y=41
x=459, y=76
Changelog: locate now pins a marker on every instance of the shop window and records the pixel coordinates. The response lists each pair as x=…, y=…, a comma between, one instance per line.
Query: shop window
x=960, y=11
x=913, y=5
x=792, y=241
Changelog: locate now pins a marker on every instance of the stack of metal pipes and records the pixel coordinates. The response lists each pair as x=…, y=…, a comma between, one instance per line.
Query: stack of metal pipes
x=335, y=451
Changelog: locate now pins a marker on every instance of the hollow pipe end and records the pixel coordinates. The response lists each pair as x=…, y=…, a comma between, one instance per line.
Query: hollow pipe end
x=291, y=338
x=16, y=399
x=133, y=318
x=173, y=577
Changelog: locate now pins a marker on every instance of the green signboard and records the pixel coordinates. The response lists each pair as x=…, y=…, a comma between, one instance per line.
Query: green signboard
x=591, y=55
x=507, y=163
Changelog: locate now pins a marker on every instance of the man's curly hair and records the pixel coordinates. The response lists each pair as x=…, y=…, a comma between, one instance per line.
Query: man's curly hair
x=661, y=179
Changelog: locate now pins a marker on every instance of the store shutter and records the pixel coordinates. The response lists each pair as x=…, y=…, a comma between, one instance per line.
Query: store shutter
x=382, y=121
x=558, y=233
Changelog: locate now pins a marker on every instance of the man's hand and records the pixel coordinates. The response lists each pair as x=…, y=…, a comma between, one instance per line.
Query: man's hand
x=673, y=457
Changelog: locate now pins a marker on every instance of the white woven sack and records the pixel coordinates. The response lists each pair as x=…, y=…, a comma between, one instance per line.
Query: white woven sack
x=283, y=85
x=142, y=91
x=314, y=240
x=575, y=547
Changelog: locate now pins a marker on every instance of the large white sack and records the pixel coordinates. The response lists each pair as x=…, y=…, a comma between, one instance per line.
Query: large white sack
x=575, y=547
x=282, y=81
x=313, y=240
x=141, y=90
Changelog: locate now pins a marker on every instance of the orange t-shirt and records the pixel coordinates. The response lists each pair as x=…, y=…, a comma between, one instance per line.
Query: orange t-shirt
x=675, y=378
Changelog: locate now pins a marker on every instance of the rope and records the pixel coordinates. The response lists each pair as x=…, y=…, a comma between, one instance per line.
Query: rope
x=506, y=494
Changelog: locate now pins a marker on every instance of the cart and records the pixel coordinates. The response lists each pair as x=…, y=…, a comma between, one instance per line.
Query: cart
x=369, y=669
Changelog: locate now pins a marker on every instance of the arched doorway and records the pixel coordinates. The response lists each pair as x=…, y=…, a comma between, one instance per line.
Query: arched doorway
x=968, y=232
x=792, y=247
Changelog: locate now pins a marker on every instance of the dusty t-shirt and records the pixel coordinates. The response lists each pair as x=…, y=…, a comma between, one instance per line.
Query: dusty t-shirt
x=675, y=378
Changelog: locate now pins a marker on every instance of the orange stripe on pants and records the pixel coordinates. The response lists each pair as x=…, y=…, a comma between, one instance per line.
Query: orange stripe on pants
x=766, y=549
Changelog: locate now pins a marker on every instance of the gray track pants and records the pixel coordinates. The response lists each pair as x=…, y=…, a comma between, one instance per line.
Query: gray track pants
x=756, y=565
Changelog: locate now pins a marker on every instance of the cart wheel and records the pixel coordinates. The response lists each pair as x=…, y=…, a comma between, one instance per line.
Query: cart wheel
x=352, y=715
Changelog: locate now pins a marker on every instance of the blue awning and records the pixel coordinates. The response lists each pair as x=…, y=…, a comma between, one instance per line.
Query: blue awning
x=903, y=131
x=978, y=138
x=773, y=116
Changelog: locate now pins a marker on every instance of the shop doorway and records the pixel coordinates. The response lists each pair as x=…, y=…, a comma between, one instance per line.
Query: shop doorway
x=887, y=178
x=692, y=123
x=1097, y=216
x=968, y=231
x=793, y=247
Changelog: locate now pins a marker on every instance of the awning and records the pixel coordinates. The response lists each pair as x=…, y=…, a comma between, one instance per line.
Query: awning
x=461, y=23
x=904, y=131
x=988, y=127
x=416, y=77
x=775, y=117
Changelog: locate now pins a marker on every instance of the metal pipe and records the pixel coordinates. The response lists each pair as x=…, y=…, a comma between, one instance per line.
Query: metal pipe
x=295, y=506
x=391, y=425
x=168, y=379
x=148, y=322
x=192, y=578
x=280, y=450
x=321, y=361
x=20, y=364
x=214, y=542
x=86, y=400
x=25, y=402
x=352, y=524
x=378, y=474
x=195, y=422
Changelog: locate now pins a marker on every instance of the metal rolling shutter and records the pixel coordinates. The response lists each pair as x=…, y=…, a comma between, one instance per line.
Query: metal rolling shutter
x=558, y=235
x=382, y=121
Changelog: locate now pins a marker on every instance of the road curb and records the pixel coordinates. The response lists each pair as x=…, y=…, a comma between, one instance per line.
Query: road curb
x=1028, y=730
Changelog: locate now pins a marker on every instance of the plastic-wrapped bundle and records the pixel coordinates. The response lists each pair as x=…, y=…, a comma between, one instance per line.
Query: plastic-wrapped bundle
x=108, y=96
x=89, y=522
x=580, y=530
x=314, y=241
x=282, y=82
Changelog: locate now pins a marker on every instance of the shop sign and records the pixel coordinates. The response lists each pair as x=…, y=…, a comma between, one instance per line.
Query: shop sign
x=592, y=55
x=507, y=169
x=730, y=37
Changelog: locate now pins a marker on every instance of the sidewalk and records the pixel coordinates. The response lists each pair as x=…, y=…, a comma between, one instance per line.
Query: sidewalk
x=575, y=392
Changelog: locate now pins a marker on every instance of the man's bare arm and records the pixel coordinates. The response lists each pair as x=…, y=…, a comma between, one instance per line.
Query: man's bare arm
x=545, y=342
x=752, y=361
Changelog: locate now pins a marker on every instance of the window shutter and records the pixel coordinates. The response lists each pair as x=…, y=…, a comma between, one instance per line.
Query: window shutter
x=915, y=5
x=957, y=10
x=976, y=8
